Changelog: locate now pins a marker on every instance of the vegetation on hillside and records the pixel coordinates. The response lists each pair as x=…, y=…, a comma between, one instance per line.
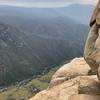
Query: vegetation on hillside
x=27, y=89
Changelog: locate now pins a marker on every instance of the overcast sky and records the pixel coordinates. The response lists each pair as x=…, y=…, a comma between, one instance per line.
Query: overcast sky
x=45, y=3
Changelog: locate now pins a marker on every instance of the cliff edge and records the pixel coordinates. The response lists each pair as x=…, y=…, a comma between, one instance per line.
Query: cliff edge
x=73, y=81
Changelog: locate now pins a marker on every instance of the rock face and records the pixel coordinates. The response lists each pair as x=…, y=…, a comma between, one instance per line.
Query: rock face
x=92, y=47
x=72, y=82
x=96, y=15
x=84, y=97
x=76, y=67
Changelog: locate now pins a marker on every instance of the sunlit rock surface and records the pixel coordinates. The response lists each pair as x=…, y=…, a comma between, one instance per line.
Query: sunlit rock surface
x=77, y=85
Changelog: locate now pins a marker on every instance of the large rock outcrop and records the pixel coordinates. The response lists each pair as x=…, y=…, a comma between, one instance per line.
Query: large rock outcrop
x=72, y=82
x=92, y=46
x=77, y=67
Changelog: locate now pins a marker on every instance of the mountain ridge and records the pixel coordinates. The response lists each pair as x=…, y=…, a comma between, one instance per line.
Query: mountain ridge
x=24, y=55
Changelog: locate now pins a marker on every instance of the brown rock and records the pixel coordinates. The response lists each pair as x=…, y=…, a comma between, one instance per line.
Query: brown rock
x=96, y=15
x=61, y=92
x=89, y=85
x=92, y=47
x=77, y=67
x=90, y=51
x=63, y=88
x=84, y=97
x=79, y=85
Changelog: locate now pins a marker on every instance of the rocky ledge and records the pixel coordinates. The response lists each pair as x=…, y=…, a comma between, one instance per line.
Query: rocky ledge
x=73, y=81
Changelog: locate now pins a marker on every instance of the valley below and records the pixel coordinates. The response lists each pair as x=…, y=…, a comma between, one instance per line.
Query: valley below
x=35, y=43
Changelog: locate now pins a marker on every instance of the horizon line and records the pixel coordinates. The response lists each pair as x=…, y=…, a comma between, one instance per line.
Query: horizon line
x=42, y=5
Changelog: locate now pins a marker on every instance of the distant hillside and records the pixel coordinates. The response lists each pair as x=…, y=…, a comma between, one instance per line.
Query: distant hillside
x=23, y=55
x=79, y=12
x=26, y=18
x=34, y=40
x=27, y=88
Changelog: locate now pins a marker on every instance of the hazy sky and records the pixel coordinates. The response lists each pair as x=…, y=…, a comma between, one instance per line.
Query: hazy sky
x=45, y=3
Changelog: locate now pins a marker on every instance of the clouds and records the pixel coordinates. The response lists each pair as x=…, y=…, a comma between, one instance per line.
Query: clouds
x=45, y=2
